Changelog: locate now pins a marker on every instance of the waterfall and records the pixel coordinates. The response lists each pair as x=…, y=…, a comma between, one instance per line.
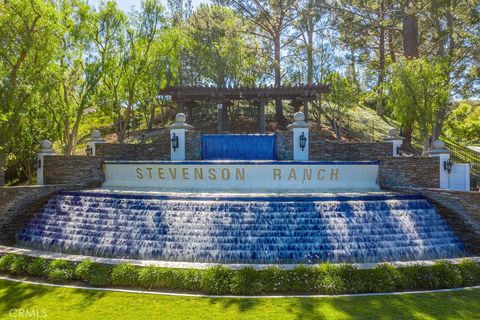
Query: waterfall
x=223, y=229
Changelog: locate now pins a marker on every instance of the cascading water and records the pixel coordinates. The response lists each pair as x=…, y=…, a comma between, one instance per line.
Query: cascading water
x=243, y=230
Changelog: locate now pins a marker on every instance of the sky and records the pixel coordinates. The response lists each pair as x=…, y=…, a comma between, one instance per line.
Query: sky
x=125, y=5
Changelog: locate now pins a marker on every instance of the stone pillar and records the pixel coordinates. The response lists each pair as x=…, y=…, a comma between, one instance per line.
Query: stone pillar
x=178, y=137
x=396, y=141
x=46, y=150
x=96, y=138
x=439, y=150
x=300, y=130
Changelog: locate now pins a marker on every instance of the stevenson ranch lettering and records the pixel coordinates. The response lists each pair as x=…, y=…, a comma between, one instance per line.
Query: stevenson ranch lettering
x=243, y=177
x=238, y=174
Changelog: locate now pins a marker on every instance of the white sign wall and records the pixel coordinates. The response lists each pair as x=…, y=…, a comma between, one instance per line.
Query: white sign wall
x=243, y=176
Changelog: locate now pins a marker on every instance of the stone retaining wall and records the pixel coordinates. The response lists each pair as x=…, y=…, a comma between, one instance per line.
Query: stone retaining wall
x=462, y=211
x=397, y=172
x=77, y=170
x=284, y=145
x=17, y=205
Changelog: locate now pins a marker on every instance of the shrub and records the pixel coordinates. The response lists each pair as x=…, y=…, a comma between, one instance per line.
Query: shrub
x=37, y=267
x=331, y=279
x=191, y=279
x=303, y=278
x=61, y=271
x=246, y=281
x=155, y=277
x=274, y=279
x=125, y=274
x=93, y=273
x=6, y=261
x=447, y=275
x=470, y=272
x=382, y=278
x=217, y=280
x=417, y=277
x=19, y=265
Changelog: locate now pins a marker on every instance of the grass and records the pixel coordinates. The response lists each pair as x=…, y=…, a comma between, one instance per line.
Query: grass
x=64, y=303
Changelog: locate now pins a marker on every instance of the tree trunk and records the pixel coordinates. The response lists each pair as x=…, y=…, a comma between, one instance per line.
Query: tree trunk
x=407, y=134
x=3, y=162
x=381, y=62
x=278, y=79
x=410, y=33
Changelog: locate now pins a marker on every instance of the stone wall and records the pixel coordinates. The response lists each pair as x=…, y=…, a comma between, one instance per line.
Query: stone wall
x=322, y=150
x=193, y=147
x=77, y=170
x=284, y=145
x=397, y=172
x=158, y=150
x=17, y=205
x=462, y=211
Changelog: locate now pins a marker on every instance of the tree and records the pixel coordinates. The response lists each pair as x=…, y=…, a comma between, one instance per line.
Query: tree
x=272, y=20
x=416, y=89
x=27, y=46
x=222, y=54
x=463, y=124
x=76, y=73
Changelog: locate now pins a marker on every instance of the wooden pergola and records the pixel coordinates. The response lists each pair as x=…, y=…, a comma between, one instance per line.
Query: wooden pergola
x=188, y=98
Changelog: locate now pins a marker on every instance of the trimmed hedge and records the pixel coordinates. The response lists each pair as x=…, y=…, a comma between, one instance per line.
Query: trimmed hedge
x=312, y=279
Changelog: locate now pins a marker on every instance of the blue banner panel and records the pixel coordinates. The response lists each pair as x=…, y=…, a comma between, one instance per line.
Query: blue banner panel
x=238, y=147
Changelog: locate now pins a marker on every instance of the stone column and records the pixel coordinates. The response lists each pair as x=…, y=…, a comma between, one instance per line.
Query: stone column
x=439, y=150
x=96, y=138
x=396, y=141
x=300, y=130
x=178, y=137
x=46, y=150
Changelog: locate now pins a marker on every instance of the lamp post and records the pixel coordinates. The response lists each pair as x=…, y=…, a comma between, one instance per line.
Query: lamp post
x=178, y=137
x=300, y=129
x=303, y=141
x=174, y=142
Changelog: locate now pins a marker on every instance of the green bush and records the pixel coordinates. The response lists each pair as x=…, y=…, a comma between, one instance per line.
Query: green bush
x=37, y=267
x=217, y=280
x=303, y=278
x=246, y=281
x=381, y=278
x=470, y=272
x=191, y=279
x=274, y=280
x=61, y=271
x=324, y=278
x=95, y=274
x=6, y=261
x=331, y=279
x=447, y=275
x=156, y=277
x=125, y=274
x=19, y=265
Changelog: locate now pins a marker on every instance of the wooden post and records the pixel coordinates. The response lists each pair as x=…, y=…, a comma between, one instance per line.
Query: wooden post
x=180, y=105
x=190, y=115
x=305, y=109
x=261, y=116
x=220, y=117
x=225, y=116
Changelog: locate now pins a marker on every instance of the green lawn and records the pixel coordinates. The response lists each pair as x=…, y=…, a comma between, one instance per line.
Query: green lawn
x=62, y=303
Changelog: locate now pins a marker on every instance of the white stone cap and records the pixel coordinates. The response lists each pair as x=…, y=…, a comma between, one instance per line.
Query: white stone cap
x=298, y=121
x=438, y=147
x=180, y=122
x=97, y=136
x=393, y=135
x=46, y=147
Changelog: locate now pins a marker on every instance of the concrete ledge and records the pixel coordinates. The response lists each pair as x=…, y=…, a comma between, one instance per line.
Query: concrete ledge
x=198, y=265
